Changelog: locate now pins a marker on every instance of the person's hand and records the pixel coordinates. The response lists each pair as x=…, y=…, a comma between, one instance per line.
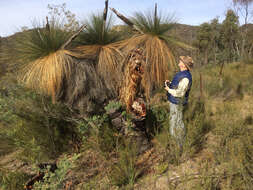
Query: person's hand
x=166, y=83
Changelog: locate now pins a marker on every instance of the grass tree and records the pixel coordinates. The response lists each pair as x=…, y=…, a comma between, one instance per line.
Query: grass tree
x=42, y=59
x=46, y=64
x=101, y=42
x=153, y=35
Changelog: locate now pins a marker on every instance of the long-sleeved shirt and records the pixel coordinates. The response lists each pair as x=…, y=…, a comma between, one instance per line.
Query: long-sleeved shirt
x=181, y=90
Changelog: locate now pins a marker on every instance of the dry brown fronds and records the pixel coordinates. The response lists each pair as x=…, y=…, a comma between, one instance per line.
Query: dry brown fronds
x=109, y=58
x=159, y=59
x=46, y=74
x=87, y=51
x=133, y=73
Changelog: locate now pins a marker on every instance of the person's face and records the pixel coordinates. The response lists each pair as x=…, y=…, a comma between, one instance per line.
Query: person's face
x=182, y=65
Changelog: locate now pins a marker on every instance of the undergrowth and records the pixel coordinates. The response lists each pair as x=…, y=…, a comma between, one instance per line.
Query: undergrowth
x=33, y=124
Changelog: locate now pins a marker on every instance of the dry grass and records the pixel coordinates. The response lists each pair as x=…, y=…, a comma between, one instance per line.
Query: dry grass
x=109, y=59
x=46, y=74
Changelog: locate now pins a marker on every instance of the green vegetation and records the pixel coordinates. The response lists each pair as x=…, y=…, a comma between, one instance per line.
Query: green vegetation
x=32, y=123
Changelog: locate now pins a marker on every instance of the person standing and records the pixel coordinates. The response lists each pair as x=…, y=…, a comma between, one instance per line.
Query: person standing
x=178, y=92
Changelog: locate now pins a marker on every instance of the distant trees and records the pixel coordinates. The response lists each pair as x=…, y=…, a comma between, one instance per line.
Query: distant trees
x=203, y=40
x=230, y=36
x=242, y=8
x=215, y=36
x=208, y=40
x=219, y=42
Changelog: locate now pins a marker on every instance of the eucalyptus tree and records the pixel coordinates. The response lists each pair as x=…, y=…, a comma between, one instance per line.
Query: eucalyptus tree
x=230, y=36
x=204, y=37
x=244, y=9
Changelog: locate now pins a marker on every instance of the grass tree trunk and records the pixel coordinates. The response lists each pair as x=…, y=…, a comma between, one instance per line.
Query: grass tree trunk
x=104, y=18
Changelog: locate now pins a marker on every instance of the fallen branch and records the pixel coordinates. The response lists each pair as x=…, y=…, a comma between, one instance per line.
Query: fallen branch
x=73, y=37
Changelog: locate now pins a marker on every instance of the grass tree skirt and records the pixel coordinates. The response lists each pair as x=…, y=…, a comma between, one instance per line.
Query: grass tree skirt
x=85, y=91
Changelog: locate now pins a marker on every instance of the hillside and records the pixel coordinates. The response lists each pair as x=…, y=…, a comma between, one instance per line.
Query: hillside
x=217, y=154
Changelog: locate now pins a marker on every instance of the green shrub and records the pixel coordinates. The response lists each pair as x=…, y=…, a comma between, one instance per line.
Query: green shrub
x=156, y=119
x=115, y=105
x=197, y=126
x=98, y=134
x=12, y=180
x=234, y=153
x=57, y=179
x=32, y=123
x=125, y=171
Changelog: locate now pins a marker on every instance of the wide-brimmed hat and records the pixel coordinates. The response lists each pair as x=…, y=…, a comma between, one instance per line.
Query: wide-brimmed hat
x=188, y=61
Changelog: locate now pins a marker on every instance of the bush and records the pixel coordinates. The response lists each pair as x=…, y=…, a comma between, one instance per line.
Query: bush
x=12, y=180
x=57, y=179
x=32, y=123
x=234, y=154
x=197, y=126
x=125, y=171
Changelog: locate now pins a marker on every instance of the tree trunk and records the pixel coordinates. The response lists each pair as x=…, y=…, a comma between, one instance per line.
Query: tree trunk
x=221, y=69
x=200, y=85
x=104, y=18
x=47, y=25
x=206, y=57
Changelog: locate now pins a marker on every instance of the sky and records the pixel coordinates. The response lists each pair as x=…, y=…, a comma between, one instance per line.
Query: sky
x=15, y=14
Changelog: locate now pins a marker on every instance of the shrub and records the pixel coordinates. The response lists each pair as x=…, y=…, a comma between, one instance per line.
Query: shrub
x=234, y=154
x=33, y=124
x=98, y=134
x=197, y=126
x=125, y=171
x=12, y=180
x=57, y=179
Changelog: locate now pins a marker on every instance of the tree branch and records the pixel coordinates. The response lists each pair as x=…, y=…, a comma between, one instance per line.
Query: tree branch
x=73, y=37
x=126, y=20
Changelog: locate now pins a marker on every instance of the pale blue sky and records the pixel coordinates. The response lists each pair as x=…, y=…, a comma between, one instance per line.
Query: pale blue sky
x=17, y=13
